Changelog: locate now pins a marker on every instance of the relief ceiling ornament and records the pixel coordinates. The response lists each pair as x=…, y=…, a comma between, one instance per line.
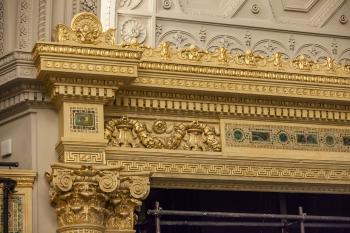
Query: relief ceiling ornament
x=221, y=56
x=87, y=198
x=194, y=136
x=133, y=30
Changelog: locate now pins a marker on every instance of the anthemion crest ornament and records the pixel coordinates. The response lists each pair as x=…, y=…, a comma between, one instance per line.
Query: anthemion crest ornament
x=85, y=28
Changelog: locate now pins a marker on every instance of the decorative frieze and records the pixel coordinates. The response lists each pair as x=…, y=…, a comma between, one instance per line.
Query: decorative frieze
x=237, y=174
x=184, y=136
x=227, y=107
x=287, y=137
x=83, y=157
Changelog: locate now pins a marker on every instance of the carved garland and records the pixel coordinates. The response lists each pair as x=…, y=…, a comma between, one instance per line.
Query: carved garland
x=187, y=136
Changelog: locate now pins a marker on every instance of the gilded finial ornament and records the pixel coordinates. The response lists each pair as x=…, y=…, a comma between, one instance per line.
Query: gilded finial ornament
x=302, y=62
x=85, y=28
x=330, y=64
x=277, y=59
x=192, y=53
x=249, y=58
x=165, y=49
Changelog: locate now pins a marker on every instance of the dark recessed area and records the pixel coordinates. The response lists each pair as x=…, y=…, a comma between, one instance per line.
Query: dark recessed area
x=243, y=202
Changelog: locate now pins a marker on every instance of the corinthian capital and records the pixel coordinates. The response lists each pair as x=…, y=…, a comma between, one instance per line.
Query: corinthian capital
x=126, y=201
x=80, y=194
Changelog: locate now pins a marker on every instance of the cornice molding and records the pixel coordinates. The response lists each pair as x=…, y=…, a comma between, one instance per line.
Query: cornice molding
x=92, y=54
x=18, y=64
x=22, y=91
x=24, y=178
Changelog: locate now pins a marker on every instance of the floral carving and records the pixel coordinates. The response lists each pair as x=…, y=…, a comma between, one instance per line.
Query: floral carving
x=159, y=127
x=133, y=30
x=249, y=58
x=224, y=55
x=193, y=53
x=302, y=62
x=231, y=43
x=187, y=136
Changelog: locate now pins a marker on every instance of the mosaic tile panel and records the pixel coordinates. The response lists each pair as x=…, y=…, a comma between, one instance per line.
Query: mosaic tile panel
x=15, y=214
x=83, y=120
x=287, y=137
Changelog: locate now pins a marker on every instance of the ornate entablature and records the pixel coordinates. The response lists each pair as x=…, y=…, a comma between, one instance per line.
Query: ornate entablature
x=195, y=118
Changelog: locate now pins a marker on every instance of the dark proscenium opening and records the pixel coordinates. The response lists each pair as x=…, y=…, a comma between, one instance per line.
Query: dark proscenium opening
x=242, y=202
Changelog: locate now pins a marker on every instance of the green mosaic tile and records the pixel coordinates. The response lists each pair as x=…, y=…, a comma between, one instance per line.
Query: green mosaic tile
x=83, y=120
x=283, y=137
x=259, y=136
x=310, y=139
x=287, y=137
x=346, y=140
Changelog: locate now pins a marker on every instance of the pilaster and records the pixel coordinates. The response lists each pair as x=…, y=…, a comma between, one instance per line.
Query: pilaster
x=82, y=72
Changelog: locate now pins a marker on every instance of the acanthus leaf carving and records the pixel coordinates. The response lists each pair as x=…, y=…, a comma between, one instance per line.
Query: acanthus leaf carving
x=124, y=204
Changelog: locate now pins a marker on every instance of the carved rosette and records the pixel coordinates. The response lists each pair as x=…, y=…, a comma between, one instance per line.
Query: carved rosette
x=86, y=197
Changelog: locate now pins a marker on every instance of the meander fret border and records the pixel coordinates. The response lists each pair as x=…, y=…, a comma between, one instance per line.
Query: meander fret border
x=234, y=171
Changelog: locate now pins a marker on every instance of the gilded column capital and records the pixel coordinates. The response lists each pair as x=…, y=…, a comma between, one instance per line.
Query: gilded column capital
x=91, y=199
x=80, y=194
x=126, y=201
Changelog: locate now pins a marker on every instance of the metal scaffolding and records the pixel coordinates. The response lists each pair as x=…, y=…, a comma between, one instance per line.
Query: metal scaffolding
x=282, y=221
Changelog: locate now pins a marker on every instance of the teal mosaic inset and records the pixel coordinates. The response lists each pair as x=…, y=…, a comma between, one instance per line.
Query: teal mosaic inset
x=346, y=140
x=237, y=135
x=15, y=214
x=260, y=136
x=83, y=120
x=287, y=137
x=307, y=138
